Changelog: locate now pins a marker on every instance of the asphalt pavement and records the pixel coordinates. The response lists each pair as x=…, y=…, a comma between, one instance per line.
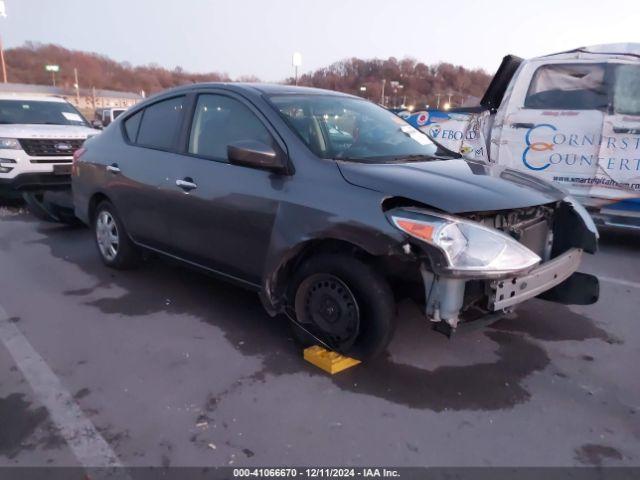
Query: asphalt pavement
x=165, y=366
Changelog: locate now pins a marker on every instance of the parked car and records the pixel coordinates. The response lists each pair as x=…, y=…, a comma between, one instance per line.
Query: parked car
x=572, y=118
x=248, y=182
x=38, y=136
x=104, y=116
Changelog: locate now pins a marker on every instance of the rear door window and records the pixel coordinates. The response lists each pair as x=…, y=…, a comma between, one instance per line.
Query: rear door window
x=160, y=124
x=568, y=87
x=220, y=121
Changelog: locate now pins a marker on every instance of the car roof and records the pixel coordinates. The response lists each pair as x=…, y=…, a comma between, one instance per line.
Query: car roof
x=259, y=88
x=276, y=89
x=31, y=98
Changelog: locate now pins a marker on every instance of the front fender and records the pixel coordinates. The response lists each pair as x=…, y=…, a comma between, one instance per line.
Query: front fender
x=298, y=228
x=574, y=228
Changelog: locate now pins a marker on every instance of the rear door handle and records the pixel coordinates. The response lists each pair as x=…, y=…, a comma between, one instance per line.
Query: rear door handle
x=113, y=168
x=522, y=125
x=187, y=184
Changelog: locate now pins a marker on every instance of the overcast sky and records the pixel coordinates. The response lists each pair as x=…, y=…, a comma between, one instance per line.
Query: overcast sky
x=258, y=37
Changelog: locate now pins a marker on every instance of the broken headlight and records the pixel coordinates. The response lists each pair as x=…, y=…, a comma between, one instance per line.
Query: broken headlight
x=468, y=247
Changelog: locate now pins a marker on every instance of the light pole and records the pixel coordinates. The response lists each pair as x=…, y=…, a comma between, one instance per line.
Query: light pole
x=396, y=85
x=77, y=85
x=3, y=14
x=296, y=61
x=53, y=69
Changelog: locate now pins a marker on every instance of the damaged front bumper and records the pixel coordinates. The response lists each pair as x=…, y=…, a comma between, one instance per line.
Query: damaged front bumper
x=451, y=303
x=511, y=291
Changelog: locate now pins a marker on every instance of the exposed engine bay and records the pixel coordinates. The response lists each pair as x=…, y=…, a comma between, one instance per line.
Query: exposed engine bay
x=532, y=227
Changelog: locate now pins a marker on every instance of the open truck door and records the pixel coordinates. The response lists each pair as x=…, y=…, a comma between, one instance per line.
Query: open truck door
x=500, y=82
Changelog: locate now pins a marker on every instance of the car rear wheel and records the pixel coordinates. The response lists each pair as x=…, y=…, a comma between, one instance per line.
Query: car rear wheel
x=345, y=303
x=114, y=245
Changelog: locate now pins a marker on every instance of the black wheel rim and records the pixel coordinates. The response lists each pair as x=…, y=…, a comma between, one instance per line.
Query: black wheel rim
x=327, y=307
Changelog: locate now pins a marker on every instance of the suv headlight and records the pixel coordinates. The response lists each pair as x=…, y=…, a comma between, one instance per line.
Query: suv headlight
x=10, y=143
x=468, y=247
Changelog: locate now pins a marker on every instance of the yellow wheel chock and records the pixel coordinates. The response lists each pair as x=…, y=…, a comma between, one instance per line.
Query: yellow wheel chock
x=329, y=361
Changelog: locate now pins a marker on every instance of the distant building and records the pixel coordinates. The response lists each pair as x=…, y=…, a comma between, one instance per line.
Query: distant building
x=471, y=101
x=89, y=98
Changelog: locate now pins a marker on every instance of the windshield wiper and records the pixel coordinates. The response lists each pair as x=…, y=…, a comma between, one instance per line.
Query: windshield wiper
x=396, y=159
x=413, y=158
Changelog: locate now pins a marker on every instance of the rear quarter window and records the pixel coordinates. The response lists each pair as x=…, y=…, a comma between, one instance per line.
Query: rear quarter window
x=131, y=126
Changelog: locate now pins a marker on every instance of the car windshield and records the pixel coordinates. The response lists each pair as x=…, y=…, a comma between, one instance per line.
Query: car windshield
x=39, y=112
x=347, y=128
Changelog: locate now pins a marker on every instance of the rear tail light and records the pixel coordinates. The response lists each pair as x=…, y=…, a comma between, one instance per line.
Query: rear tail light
x=76, y=156
x=78, y=153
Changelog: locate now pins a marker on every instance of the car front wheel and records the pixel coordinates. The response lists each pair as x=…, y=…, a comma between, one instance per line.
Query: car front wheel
x=345, y=303
x=114, y=245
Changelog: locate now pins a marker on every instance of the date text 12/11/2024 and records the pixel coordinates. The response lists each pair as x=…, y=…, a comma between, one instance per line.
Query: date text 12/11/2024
x=315, y=473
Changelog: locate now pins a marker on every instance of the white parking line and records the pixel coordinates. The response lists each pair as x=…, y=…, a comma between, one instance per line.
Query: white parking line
x=625, y=283
x=88, y=446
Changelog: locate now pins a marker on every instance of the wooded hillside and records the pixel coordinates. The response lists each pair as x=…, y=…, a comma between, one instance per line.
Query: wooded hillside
x=406, y=81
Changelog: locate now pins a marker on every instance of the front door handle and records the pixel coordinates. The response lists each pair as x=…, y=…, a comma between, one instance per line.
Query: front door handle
x=113, y=168
x=522, y=125
x=187, y=184
x=630, y=130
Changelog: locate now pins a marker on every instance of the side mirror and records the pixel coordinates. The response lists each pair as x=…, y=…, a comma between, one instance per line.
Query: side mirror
x=97, y=124
x=254, y=154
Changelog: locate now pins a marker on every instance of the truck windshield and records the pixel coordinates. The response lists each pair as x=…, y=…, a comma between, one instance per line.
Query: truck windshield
x=352, y=129
x=39, y=112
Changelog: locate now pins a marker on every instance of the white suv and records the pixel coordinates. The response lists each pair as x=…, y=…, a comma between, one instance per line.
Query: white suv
x=38, y=136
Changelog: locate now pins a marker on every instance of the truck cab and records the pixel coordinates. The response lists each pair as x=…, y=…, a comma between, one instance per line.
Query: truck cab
x=572, y=118
x=104, y=116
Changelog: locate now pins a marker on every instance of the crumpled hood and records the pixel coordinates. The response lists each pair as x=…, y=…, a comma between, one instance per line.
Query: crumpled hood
x=46, y=131
x=453, y=186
